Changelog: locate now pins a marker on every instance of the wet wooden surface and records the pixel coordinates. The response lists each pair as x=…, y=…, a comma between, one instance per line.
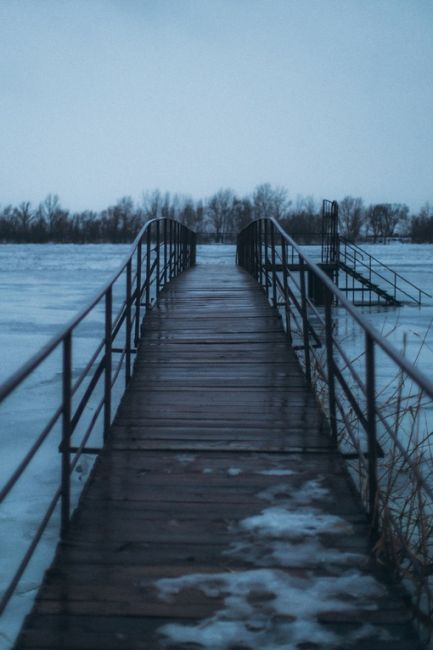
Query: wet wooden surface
x=217, y=427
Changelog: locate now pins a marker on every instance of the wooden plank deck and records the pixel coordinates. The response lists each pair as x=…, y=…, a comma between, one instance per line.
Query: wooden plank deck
x=220, y=515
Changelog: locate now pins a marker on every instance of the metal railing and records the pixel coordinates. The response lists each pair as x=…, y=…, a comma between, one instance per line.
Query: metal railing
x=376, y=272
x=379, y=406
x=163, y=249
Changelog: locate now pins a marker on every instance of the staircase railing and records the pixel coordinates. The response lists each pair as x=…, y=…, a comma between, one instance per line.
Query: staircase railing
x=163, y=249
x=378, y=405
x=379, y=273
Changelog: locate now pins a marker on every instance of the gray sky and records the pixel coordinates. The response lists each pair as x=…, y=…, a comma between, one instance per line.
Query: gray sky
x=105, y=98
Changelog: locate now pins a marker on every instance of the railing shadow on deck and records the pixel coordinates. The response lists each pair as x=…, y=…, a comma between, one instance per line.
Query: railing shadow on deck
x=162, y=250
x=379, y=406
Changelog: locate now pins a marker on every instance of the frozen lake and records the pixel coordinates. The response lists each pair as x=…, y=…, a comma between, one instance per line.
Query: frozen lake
x=42, y=287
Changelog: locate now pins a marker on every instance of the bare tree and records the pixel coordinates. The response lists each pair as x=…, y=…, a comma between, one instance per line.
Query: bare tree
x=383, y=219
x=220, y=212
x=270, y=202
x=352, y=217
x=396, y=215
x=23, y=215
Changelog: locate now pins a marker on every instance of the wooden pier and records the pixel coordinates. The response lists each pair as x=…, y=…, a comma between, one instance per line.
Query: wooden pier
x=220, y=514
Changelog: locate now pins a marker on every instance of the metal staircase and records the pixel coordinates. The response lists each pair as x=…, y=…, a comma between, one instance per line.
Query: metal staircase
x=363, y=289
x=364, y=278
x=369, y=281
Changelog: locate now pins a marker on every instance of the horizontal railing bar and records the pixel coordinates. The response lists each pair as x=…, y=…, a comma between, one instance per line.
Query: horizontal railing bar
x=413, y=373
x=87, y=394
x=386, y=280
x=93, y=451
x=352, y=400
x=389, y=349
x=183, y=241
x=119, y=319
x=345, y=386
x=118, y=368
x=87, y=367
x=30, y=454
x=10, y=384
x=78, y=450
x=298, y=307
x=29, y=553
x=25, y=370
x=120, y=350
x=388, y=268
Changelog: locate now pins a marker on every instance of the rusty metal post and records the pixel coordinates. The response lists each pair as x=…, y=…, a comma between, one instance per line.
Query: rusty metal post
x=371, y=432
x=138, y=295
x=128, y=324
x=108, y=360
x=305, y=327
x=66, y=434
x=330, y=364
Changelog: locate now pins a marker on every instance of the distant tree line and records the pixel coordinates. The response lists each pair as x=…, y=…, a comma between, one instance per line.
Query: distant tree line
x=221, y=215
x=383, y=221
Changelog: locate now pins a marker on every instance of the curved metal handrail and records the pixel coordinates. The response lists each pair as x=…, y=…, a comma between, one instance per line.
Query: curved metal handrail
x=281, y=267
x=369, y=329
x=162, y=249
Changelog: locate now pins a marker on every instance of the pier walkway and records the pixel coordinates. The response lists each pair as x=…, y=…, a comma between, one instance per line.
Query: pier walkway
x=219, y=515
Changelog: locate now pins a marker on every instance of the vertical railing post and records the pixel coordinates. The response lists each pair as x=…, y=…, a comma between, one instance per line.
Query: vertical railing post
x=128, y=324
x=286, y=289
x=164, y=231
x=178, y=256
x=138, y=295
x=260, y=250
x=267, y=281
x=256, y=251
x=191, y=237
x=108, y=360
x=66, y=434
x=158, y=258
x=329, y=334
x=184, y=249
x=194, y=249
x=371, y=432
x=305, y=327
x=253, y=269
x=274, y=273
x=171, y=249
x=176, y=249
x=253, y=251
x=148, y=253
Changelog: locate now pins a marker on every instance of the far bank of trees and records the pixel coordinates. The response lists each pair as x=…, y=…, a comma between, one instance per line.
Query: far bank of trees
x=220, y=216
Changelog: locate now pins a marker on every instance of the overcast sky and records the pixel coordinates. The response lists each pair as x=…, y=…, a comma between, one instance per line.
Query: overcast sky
x=105, y=98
